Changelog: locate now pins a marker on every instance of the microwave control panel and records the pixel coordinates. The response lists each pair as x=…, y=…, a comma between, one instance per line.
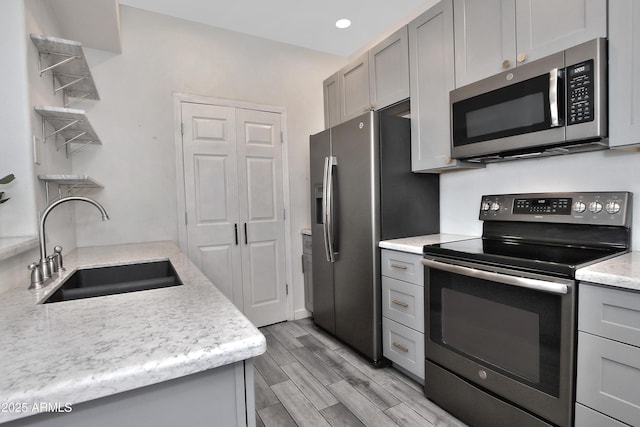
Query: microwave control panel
x=580, y=93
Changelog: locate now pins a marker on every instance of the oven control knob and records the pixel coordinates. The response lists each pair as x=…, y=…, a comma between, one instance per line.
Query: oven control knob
x=495, y=206
x=595, y=207
x=612, y=207
x=485, y=206
x=579, y=207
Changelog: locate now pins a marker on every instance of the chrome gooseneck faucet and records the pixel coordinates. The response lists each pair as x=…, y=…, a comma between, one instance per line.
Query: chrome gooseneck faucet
x=43, y=270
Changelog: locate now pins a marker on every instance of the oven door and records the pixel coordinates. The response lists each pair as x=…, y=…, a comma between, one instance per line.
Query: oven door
x=508, y=334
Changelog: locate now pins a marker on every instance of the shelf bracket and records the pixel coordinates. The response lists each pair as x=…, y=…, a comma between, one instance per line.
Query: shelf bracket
x=71, y=83
x=57, y=131
x=68, y=58
x=82, y=147
x=68, y=103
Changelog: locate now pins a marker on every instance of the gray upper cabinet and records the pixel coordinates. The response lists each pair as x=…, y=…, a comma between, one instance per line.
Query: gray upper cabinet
x=389, y=70
x=494, y=35
x=354, y=88
x=624, y=78
x=331, y=90
x=431, y=78
x=376, y=79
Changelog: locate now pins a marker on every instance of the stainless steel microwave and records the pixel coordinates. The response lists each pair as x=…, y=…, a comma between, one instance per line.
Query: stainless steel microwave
x=553, y=105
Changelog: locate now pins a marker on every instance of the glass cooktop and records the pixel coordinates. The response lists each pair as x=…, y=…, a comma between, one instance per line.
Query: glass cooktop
x=540, y=258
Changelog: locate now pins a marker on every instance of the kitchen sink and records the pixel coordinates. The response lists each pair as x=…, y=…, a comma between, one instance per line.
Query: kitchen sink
x=101, y=281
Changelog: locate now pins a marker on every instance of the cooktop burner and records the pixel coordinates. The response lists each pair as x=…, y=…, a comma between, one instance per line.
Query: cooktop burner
x=548, y=233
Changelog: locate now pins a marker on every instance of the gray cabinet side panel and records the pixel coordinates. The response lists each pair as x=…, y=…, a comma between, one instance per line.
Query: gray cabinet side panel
x=203, y=399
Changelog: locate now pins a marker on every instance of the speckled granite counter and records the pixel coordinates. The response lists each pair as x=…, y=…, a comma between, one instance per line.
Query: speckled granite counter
x=622, y=271
x=414, y=244
x=80, y=350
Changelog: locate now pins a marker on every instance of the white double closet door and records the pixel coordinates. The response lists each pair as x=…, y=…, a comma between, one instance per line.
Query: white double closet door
x=233, y=198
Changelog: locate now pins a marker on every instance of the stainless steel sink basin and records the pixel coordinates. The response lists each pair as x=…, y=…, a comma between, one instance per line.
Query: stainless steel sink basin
x=101, y=281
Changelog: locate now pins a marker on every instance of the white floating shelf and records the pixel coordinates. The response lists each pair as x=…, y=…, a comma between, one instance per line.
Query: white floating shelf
x=66, y=60
x=71, y=182
x=69, y=123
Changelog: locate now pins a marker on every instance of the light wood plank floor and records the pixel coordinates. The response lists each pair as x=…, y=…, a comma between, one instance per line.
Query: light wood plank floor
x=307, y=378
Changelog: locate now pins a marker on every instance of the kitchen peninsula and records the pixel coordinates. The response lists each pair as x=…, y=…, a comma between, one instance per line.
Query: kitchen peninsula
x=156, y=357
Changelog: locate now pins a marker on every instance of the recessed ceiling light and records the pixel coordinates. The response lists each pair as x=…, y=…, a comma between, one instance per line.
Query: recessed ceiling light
x=343, y=23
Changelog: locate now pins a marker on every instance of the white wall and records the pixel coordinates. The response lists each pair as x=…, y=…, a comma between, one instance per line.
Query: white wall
x=18, y=215
x=134, y=118
x=610, y=170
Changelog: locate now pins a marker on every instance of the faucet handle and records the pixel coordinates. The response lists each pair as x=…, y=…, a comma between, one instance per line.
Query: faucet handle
x=36, y=276
x=58, y=254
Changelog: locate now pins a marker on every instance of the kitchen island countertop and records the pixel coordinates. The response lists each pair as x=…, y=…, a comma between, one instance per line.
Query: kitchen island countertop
x=415, y=244
x=75, y=351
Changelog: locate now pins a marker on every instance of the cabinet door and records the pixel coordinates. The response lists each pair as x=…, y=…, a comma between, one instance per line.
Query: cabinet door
x=354, y=88
x=608, y=375
x=485, y=41
x=544, y=27
x=331, y=91
x=431, y=78
x=389, y=70
x=307, y=266
x=624, y=73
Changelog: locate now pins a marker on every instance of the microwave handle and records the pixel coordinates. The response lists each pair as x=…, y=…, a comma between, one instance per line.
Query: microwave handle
x=553, y=97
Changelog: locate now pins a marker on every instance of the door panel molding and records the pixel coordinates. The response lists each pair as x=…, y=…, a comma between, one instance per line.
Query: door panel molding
x=259, y=137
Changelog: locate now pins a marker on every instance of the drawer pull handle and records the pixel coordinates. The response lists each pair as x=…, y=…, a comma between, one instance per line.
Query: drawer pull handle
x=400, y=303
x=399, y=267
x=401, y=347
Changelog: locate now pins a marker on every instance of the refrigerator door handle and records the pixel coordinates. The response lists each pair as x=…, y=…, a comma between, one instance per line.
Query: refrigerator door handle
x=329, y=219
x=325, y=179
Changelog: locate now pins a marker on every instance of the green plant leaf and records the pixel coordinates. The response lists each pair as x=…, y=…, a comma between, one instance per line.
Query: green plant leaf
x=7, y=179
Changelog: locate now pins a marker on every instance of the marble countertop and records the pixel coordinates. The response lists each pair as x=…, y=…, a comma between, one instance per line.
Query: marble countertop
x=414, y=244
x=622, y=271
x=75, y=351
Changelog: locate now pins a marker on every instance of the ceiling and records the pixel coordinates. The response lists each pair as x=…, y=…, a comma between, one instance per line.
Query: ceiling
x=305, y=23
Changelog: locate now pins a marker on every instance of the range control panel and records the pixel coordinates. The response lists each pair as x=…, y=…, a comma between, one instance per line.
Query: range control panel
x=595, y=208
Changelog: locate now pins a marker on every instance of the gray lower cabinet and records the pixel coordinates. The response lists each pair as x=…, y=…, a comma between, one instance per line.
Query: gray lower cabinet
x=222, y=396
x=403, y=311
x=307, y=271
x=624, y=79
x=608, y=372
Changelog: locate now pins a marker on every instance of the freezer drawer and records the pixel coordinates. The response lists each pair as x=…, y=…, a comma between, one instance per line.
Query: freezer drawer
x=403, y=346
x=403, y=302
x=608, y=377
x=403, y=266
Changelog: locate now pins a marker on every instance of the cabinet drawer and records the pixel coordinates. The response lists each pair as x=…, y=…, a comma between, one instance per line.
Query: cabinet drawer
x=610, y=313
x=608, y=377
x=403, y=266
x=306, y=244
x=403, y=302
x=403, y=346
x=587, y=417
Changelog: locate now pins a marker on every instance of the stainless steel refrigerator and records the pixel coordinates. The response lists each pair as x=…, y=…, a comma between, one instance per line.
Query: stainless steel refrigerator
x=362, y=191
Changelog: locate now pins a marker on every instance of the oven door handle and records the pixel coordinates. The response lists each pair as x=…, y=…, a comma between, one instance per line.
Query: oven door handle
x=523, y=282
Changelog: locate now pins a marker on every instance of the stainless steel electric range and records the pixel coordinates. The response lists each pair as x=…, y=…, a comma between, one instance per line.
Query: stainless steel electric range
x=501, y=309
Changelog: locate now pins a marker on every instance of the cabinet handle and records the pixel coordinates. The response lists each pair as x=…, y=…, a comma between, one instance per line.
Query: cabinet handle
x=506, y=64
x=399, y=267
x=400, y=303
x=235, y=229
x=521, y=57
x=400, y=347
x=246, y=238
